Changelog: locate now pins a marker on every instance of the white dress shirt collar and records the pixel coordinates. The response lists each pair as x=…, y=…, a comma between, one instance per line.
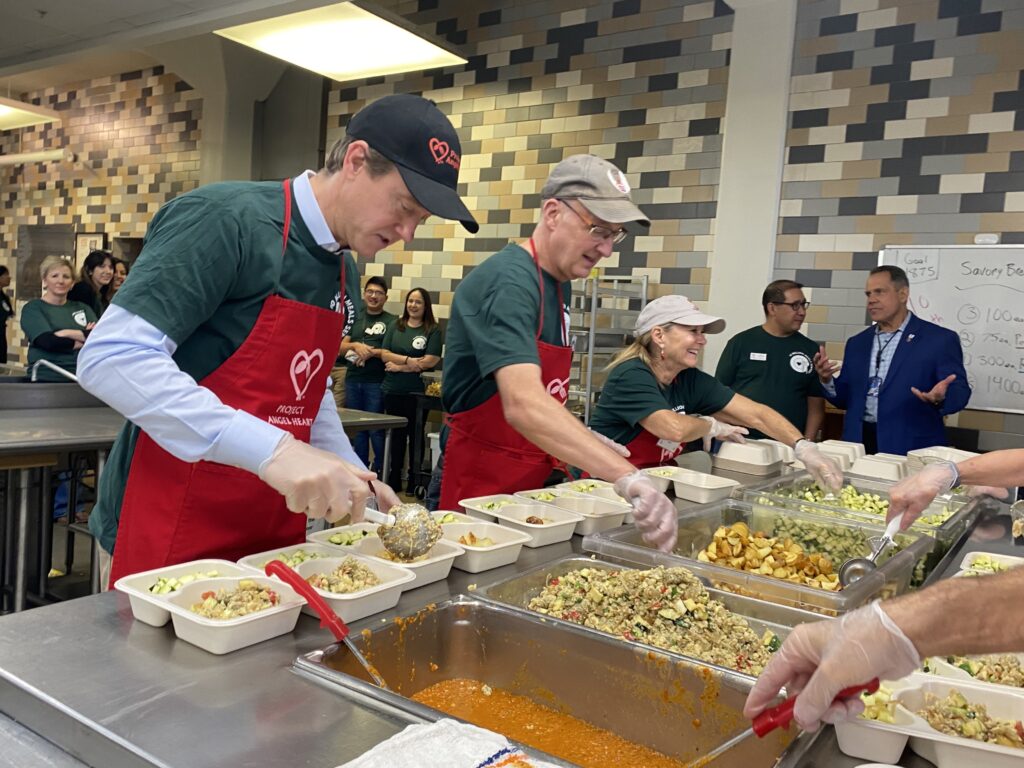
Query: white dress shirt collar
x=310, y=211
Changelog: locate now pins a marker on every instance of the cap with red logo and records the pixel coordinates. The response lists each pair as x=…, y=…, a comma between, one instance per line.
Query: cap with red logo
x=598, y=185
x=412, y=132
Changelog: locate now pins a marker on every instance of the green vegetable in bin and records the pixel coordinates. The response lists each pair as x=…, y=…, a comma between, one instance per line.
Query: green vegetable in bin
x=849, y=498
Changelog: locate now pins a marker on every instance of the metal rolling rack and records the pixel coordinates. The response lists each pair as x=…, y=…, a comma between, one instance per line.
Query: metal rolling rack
x=603, y=313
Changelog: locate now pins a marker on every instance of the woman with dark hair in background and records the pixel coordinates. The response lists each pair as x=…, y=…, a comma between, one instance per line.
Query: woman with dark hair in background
x=411, y=346
x=93, y=289
x=120, y=273
x=6, y=312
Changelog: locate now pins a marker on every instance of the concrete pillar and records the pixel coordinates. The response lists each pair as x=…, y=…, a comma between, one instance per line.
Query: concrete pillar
x=753, y=152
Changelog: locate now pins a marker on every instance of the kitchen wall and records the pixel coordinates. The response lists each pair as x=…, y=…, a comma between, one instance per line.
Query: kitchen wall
x=136, y=137
x=642, y=83
x=906, y=126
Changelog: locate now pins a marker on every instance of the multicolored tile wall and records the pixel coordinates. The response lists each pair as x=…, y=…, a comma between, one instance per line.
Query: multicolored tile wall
x=136, y=139
x=906, y=127
x=640, y=82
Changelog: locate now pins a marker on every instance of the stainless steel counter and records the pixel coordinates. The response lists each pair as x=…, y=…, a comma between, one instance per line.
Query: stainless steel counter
x=53, y=430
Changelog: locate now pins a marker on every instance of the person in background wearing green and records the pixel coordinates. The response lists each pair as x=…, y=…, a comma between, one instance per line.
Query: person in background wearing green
x=773, y=363
x=410, y=347
x=362, y=352
x=94, y=287
x=6, y=312
x=55, y=326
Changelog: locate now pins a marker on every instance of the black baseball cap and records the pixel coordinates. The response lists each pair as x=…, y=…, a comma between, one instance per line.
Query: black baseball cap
x=414, y=134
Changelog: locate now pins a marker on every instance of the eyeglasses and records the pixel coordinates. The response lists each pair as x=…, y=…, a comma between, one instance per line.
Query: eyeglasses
x=597, y=231
x=796, y=306
x=368, y=292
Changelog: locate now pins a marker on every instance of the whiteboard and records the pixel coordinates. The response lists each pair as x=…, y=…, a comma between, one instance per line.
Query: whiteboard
x=977, y=291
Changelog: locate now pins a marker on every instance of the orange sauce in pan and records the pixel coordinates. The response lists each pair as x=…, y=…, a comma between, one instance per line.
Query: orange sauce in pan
x=540, y=727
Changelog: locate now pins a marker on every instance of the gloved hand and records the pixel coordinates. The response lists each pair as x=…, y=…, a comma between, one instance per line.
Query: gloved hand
x=619, y=448
x=386, y=498
x=912, y=494
x=824, y=470
x=314, y=482
x=1003, y=494
x=654, y=514
x=722, y=431
x=818, y=660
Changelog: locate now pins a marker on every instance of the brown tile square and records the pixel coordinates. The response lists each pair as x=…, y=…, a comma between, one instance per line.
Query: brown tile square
x=862, y=169
x=950, y=125
x=840, y=188
x=987, y=163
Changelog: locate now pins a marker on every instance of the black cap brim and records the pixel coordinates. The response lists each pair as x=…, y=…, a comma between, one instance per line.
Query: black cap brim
x=437, y=198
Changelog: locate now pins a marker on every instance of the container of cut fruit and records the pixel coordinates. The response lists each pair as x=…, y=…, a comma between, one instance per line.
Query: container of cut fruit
x=485, y=545
x=952, y=723
x=149, y=591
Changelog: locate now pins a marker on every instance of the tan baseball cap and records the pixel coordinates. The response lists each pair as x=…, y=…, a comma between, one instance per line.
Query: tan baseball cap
x=679, y=310
x=599, y=185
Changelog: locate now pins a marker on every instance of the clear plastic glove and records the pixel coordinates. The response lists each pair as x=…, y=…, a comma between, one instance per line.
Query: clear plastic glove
x=818, y=660
x=911, y=495
x=386, y=498
x=314, y=482
x=654, y=514
x=722, y=431
x=1003, y=494
x=619, y=448
x=824, y=470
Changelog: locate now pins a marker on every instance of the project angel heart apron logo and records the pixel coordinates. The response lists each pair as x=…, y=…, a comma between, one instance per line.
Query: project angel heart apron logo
x=559, y=389
x=800, y=362
x=304, y=367
x=79, y=317
x=419, y=343
x=443, y=153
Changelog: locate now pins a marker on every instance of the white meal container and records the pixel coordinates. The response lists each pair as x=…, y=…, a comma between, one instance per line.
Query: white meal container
x=878, y=468
x=475, y=506
x=508, y=543
x=751, y=457
x=943, y=668
x=660, y=476
x=1008, y=560
x=783, y=452
x=259, y=560
x=872, y=740
x=598, y=514
x=839, y=455
x=324, y=537
x=366, y=602
x=152, y=609
x=553, y=491
x=917, y=458
x=459, y=517
x=560, y=529
x=602, y=489
x=434, y=567
x=227, y=635
x=853, y=450
x=696, y=486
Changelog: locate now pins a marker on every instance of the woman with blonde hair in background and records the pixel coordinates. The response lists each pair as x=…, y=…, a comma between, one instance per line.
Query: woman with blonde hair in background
x=56, y=326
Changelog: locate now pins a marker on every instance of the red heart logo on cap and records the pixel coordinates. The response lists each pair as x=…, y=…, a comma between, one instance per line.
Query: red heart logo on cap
x=439, y=149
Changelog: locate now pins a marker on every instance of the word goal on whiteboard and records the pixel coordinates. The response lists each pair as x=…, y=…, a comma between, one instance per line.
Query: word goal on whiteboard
x=977, y=291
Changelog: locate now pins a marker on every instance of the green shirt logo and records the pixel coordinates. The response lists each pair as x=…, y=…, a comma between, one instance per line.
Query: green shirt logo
x=419, y=343
x=800, y=362
x=79, y=317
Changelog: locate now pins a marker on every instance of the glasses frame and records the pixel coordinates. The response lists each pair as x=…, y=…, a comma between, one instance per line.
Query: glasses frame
x=597, y=231
x=796, y=306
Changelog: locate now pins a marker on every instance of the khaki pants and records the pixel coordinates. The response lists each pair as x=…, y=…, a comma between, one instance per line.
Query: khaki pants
x=105, y=561
x=338, y=385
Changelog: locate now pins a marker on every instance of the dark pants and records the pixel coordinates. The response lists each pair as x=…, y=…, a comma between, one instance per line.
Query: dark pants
x=366, y=396
x=869, y=436
x=433, y=500
x=400, y=405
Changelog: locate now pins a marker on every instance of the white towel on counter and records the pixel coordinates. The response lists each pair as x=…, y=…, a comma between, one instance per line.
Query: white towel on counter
x=445, y=744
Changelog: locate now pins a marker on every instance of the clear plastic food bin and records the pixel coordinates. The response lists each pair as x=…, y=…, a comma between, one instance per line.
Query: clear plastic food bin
x=836, y=537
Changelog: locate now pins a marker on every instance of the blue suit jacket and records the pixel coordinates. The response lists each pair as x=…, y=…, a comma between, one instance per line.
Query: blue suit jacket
x=927, y=353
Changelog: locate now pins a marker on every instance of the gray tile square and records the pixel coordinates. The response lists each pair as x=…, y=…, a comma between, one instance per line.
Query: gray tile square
x=710, y=176
x=803, y=66
x=837, y=225
x=978, y=64
x=872, y=57
x=877, y=150
x=997, y=441
x=849, y=278
x=831, y=297
x=784, y=274
x=887, y=185
x=821, y=206
x=850, y=316
x=937, y=29
x=949, y=203
x=931, y=223
x=711, y=59
x=692, y=45
x=823, y=332
x=790, y=260
x=704, y=160
x=956, y=46
x=802, y=190
x=709, y=93
x=932, y=165
x=694, y=227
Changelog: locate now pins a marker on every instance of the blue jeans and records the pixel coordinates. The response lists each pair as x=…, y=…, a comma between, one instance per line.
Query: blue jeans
x=366, y=396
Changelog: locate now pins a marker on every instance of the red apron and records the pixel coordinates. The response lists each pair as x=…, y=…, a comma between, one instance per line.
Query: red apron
x=644, y=451
x=174, y=511
x=504, y=461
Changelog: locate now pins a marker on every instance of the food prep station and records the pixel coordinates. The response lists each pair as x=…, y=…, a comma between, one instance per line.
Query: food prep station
x=146, y=698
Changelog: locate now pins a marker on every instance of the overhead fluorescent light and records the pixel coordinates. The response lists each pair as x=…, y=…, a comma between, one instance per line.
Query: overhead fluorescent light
x=342, y=42
x=18, y=114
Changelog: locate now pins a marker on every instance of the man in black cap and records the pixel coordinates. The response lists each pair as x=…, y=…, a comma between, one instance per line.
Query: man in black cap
x=508, y=356
x=218, y=349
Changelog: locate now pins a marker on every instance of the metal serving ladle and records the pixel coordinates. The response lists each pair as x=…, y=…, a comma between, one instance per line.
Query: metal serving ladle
x=859, y=567
x=407, y=532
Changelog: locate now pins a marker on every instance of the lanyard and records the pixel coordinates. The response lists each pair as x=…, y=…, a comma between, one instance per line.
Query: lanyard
x=881, y=347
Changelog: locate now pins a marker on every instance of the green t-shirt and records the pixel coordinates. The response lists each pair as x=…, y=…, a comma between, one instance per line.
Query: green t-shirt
x=632, y=393
x=412, y=342
x=39, y=317
x=210, y=259
x=494, y=321
x=776, y=371
x=369, y=330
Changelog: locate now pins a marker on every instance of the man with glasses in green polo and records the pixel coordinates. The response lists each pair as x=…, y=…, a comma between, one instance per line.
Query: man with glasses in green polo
x=773, y=363
x=508, y=356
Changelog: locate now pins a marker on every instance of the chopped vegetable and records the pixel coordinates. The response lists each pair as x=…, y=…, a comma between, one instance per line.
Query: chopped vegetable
x=347, y=538
x=167, y=584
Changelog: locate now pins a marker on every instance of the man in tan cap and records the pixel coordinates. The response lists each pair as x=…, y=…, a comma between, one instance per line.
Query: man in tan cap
x=508, y=355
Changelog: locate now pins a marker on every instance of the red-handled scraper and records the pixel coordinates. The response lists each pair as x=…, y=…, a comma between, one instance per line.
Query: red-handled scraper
x=328, y=618
x=778, y=716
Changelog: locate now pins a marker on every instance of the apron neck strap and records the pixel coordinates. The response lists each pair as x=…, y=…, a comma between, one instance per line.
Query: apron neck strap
x=540, y=282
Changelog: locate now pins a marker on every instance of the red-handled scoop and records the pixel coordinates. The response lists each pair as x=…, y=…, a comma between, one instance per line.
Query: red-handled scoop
x=328, y=618
x=779, y=716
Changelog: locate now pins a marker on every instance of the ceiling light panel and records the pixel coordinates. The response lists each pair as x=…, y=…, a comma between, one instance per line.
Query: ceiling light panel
x=342, y=42
x=18, y=114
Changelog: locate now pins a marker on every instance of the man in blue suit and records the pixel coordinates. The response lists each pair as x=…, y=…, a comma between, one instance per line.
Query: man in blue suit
x=899, y=377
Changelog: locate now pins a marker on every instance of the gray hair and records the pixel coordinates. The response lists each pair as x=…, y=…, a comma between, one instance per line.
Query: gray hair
x=376, y=163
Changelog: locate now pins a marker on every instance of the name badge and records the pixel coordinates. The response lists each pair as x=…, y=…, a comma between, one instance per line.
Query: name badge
x=668, y=445
x=758, y=356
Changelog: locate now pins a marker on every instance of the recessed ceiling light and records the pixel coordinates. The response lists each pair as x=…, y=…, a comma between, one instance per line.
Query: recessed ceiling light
x=18, y=114
x=342, y=42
